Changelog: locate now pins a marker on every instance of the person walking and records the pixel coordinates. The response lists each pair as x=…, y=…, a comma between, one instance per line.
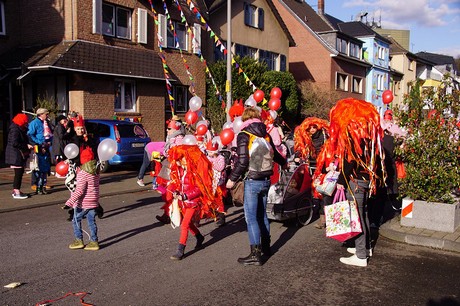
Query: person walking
x=17, y=151
x=355, y=138
x=255, y=166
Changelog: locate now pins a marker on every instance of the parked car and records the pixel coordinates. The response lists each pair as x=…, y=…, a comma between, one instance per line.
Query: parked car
x=131, y=138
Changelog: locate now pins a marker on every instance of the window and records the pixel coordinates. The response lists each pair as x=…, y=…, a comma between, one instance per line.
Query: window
x=180, y=94
x=243, y=51
x=116, y=21
x=341, y=82
x=380, y=83
x=253, y=16
x=2, y=18
x=381, y=53
x=270, y=58
x=357, y=85
x=181, y=41
x=125, y=96
x=354, y=50
x=341, y=45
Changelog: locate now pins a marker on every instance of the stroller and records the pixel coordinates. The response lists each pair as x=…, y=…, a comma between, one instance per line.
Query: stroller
x=291, y=197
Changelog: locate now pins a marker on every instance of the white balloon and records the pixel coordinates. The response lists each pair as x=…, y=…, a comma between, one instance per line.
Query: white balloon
x=202, y=122
x=71, y=151
x=227, y=125
x=237, y=124
x=189, y=140
x=107, y=149
x=195, y=103
x=259, y=109
x=273, y=114
x=250, y=102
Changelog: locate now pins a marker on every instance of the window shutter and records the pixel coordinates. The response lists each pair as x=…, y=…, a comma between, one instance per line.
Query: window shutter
x=97, y=16
x=196, y=44
x=141, y=26
x=162, y=28
x=246, y=14
x=261, y=19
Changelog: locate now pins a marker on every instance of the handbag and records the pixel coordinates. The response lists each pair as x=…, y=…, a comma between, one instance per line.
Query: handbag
x=400, y=169
x=342, y=218
x=329, y=183
x=237, y=193
x=174, y=213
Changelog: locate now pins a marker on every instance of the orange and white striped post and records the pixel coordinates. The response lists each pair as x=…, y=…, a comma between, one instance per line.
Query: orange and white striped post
x=407, y=207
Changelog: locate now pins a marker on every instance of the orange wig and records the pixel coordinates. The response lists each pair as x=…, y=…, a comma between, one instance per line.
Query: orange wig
x=302, y=139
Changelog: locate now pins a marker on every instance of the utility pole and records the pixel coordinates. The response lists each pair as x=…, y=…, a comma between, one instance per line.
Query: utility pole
x=228, y=84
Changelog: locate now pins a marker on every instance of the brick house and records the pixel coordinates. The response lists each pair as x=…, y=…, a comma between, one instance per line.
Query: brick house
x=100, y=58
x=323, y=54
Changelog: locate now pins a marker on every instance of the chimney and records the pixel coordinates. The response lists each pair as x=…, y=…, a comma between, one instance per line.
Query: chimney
x=321, y=7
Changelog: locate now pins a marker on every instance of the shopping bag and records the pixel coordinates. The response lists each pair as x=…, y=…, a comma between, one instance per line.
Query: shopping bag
x=329, y=183
x=342, y=218
x=237, y=193
x=174, y=213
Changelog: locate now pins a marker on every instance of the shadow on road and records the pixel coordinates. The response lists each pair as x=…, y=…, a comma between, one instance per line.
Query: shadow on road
x=140, y=203
x=127, y=234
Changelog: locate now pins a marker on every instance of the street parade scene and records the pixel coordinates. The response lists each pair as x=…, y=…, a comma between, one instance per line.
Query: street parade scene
x=228, y=181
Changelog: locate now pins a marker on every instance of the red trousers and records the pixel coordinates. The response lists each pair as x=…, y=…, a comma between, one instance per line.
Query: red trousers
x=187, y=224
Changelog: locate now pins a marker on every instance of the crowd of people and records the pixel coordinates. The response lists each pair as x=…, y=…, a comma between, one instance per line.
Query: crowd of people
x=197, y=178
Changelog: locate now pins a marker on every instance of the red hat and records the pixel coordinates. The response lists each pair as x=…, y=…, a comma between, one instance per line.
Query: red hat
x=212, y=147
x=21, y=119
x=86, y=155
x=78, y=121
x=388, y=115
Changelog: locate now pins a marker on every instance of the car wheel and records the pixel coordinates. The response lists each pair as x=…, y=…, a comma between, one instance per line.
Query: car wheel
x=104, y=167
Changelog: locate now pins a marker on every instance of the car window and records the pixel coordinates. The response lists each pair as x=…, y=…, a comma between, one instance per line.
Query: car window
x=130, y=131
x=104, y=130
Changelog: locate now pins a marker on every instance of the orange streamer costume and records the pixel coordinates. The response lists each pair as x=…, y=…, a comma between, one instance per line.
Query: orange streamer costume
x=351, y=121
x=302, y=138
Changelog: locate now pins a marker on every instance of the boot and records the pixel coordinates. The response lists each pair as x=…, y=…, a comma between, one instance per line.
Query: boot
x=220, y=219
x=199, y=241
x=253, y=258
x=265, y=247
x=179, y=253
x=321, y=223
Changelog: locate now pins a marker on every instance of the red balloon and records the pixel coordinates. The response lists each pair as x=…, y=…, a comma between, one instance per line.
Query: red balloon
x=191, y=117
x=258, y=95
x=274, y=104
x=275, y=93
x=62, y=168
x=387, y=97
x=226, y=136
x=201, y=129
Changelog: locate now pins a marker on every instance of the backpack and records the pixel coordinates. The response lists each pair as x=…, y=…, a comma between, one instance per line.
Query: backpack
x=260, y=153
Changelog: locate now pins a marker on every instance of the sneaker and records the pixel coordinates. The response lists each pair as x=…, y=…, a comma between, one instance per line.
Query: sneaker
x=354, y=261
x=92, y=246
x=353, y=251
x=140, y=183
x=76, y=244
x=19, y=196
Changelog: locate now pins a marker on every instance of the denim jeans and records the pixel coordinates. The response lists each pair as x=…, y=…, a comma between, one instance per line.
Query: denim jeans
x=145, y=165
x=362, y=241
x=90, y=214
x=255, y=213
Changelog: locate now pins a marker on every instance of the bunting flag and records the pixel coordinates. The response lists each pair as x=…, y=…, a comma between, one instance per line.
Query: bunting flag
x=163, y=59
x=195, y=44
x=218, y=43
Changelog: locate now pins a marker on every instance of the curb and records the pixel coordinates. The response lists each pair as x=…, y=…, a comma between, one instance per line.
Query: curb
x=387, y=230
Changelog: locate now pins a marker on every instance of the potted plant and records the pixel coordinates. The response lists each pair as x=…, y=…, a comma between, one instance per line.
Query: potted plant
x=431, y=155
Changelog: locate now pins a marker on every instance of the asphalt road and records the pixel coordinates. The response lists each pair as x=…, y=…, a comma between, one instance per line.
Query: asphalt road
x=133, y=265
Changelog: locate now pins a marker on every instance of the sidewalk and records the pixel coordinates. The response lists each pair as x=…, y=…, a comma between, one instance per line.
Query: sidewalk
x=112, y=183
x=121, y=182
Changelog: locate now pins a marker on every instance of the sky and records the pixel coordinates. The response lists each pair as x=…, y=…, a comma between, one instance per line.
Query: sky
x=434, y=25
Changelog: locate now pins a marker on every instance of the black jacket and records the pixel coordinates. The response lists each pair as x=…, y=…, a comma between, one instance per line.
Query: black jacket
x=242, y=149
x=60, y=139
x=17, y=152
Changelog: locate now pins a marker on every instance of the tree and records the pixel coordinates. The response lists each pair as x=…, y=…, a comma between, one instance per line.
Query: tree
x=316, y=101
x=431, y=150
x=259, y=75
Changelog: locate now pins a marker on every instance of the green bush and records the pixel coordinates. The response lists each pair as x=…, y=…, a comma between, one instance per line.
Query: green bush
x=431, y=149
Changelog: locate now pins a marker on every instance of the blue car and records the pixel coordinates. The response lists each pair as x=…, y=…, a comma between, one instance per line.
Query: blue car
x=131, y=138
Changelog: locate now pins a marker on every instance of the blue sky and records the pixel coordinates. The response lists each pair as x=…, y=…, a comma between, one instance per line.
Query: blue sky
x=434, y=25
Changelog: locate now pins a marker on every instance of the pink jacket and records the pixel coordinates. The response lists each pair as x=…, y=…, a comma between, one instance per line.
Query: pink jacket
x=86, y=194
